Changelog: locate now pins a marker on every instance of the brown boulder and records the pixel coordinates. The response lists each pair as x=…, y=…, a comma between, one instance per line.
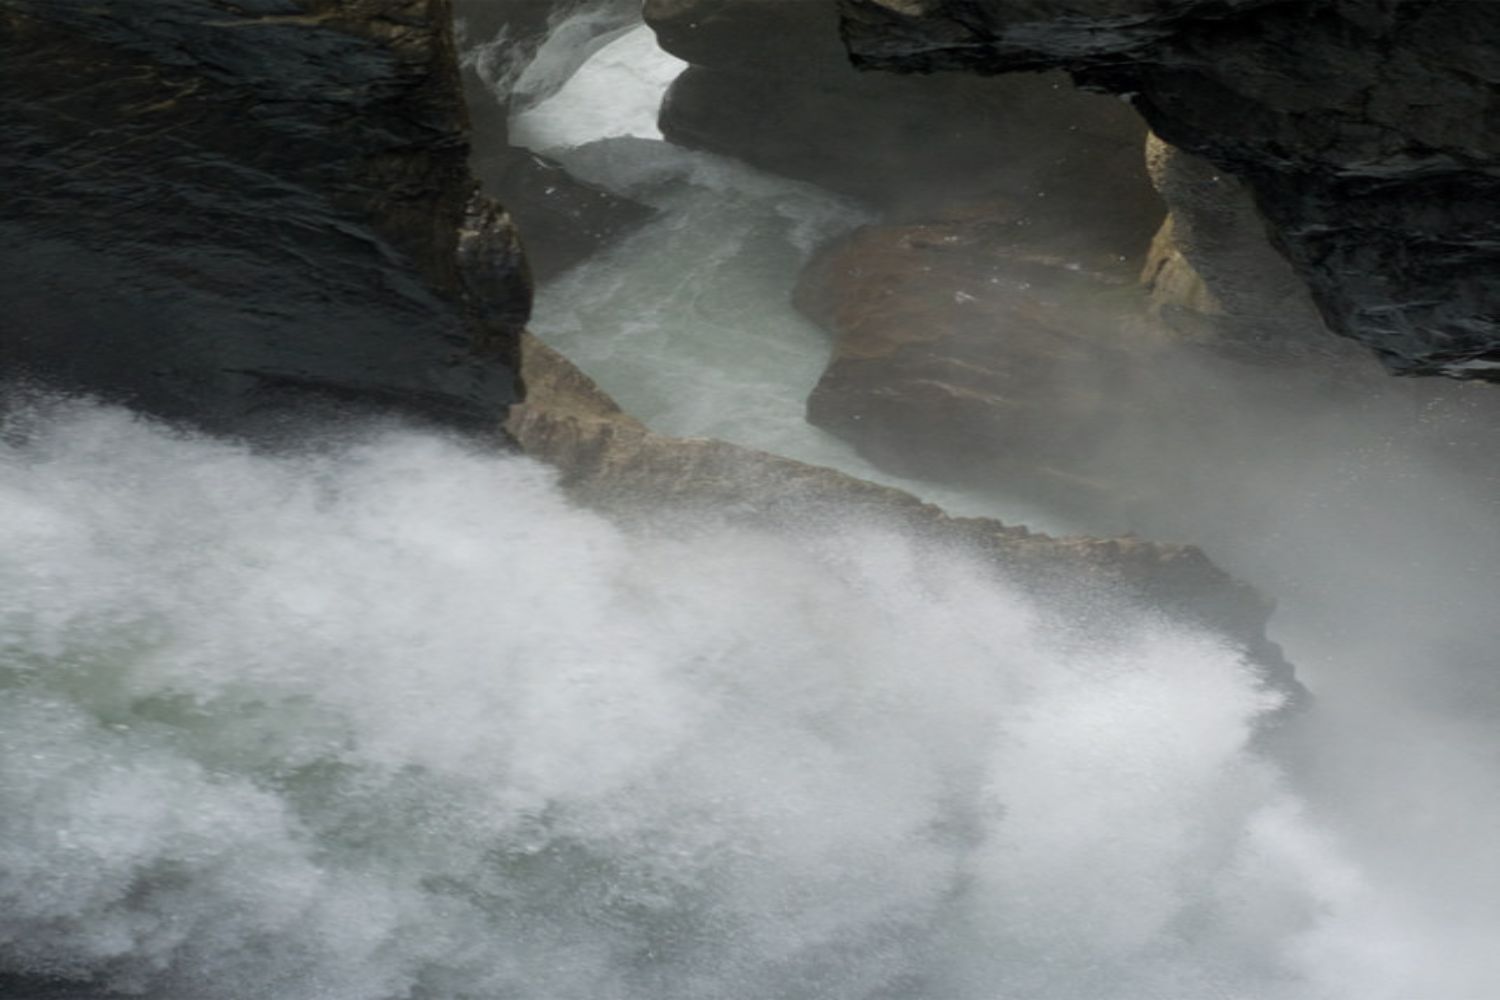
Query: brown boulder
x=963, y=355
x=1364, y=128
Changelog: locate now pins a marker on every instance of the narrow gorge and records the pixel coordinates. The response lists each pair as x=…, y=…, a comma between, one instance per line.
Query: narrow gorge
x=708, y=499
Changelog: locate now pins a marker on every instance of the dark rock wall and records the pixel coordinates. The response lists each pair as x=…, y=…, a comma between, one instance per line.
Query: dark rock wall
x=214, y=209
x=1368, y=132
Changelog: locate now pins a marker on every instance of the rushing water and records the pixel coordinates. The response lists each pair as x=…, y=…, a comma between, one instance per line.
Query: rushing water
x=394, y=719
x=390, y=718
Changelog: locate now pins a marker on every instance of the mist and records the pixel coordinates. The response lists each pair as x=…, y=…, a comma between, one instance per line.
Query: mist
x=324, y=726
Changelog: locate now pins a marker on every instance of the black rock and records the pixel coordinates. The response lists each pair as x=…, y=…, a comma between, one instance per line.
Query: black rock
x=218, y=210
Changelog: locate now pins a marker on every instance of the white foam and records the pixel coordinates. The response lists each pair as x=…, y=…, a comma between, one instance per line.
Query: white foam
x=399, y=718
x=618, y=91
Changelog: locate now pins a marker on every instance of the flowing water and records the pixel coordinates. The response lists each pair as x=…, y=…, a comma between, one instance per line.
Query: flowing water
x=391, y=718
x=689, y=323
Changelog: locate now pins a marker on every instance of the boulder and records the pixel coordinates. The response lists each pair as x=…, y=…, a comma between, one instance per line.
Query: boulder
x=222, y=211
x=1363, y=129
x=963, y=354
x=1214, y=277
x=766, y=38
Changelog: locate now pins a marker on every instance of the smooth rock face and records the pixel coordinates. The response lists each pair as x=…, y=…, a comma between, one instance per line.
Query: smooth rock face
x=1366, y=130
x=610, y=461
x=562, y=220
x=220, y=211
x=964, y=353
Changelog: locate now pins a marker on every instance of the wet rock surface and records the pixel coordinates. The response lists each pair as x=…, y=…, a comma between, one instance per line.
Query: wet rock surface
x=1365, y=131
x=965, y=355
x=220, y=211
x=562, y=220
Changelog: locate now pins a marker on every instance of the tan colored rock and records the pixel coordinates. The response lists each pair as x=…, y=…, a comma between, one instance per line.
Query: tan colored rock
x=1214, y=277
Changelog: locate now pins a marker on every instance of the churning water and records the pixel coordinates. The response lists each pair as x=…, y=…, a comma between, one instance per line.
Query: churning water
x=393, y=719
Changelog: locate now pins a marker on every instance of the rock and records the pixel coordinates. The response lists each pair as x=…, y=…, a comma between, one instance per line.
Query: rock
x=225, y=210
x=1363, y=129
x=767, y=38
x=1214, y=277
x=769, y=84
x=562, y=220
x=963, y=355
x=612, y=462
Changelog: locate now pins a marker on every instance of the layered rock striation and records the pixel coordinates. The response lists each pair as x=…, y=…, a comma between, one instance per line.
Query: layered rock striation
x=1365, y=130
x=221, y=212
